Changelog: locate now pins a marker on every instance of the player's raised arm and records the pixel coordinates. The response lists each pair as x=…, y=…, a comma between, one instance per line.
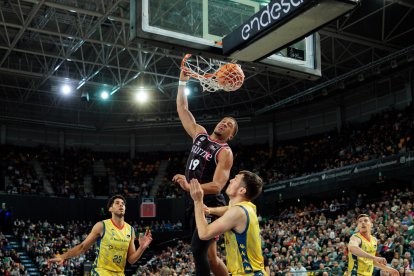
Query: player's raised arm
x=355, y=249
x=232, y=218
x=144, y=241
x=186, y=117
x=215, y=211
x=81, y=248
x=390, y=270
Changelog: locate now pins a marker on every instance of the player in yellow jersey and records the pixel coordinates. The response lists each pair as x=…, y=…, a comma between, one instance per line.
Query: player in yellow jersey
x=115, y=240
x=361, y=251
x=238, y=222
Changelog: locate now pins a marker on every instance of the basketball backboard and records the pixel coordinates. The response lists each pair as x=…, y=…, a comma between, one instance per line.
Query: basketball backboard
x=198, y=27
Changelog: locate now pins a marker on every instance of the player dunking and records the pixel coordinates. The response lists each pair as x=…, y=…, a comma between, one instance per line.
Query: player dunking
x=209, y=162
x=115, y=240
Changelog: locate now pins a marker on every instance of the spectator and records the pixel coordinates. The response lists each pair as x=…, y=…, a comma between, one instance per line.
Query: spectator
x=300, y=270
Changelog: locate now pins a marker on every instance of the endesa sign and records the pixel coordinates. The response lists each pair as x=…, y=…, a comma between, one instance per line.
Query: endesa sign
x=267, y=19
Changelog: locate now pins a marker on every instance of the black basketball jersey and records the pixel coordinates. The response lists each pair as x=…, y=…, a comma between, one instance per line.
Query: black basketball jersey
x=202, y=162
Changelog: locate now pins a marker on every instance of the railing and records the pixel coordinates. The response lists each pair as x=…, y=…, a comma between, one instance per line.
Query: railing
x=319, y=272
x=354, y=171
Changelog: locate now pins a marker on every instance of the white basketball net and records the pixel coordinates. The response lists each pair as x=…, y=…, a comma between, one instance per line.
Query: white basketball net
x=205, y=71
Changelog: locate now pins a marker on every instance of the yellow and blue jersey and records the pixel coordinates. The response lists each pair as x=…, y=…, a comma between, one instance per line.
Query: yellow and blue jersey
x=362, y=266
x=243, y=250
x=112, y=249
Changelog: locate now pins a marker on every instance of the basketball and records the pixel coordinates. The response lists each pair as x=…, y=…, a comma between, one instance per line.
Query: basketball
x=230, y=76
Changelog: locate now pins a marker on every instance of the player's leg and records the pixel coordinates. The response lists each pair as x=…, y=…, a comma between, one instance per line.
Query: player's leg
x=199, y=249
x=216, y=264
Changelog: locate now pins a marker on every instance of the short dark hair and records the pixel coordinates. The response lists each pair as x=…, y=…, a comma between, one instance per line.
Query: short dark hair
x=112, y=200
x=253, y=184
x=363, y=216
x=236, y=125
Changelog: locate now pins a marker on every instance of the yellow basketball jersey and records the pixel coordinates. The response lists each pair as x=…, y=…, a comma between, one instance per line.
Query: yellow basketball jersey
x=244, y=251
x=362, y=266
x=112, y=249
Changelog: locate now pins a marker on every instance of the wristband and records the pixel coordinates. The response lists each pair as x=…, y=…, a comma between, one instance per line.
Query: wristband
x=182, y=83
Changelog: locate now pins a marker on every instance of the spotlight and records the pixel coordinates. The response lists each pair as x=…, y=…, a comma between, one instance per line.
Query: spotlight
x=341, y=85
x=141, y=96
x=66, y=89
x=104, y=95
x=394, y=64
x=187, y=91
x=361, y=77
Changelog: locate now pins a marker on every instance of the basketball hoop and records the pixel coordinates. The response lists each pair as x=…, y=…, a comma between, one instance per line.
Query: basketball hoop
x=213, y=74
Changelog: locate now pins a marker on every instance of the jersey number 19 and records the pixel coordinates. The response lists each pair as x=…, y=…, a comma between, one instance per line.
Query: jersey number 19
x=193, y=164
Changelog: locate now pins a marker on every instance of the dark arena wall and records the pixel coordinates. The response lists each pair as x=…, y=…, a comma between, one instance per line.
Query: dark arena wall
x=61, y=210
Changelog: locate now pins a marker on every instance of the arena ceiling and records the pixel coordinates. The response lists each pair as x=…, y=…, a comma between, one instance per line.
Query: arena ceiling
x=44, y=43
